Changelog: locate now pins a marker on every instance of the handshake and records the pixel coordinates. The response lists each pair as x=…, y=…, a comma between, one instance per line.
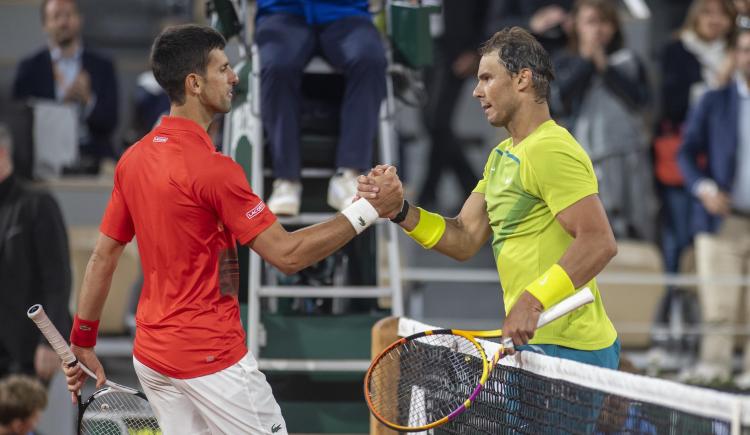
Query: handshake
x=382, y=188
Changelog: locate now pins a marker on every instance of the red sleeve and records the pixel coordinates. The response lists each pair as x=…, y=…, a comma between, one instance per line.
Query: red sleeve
x=117, y=222
x=226, y=190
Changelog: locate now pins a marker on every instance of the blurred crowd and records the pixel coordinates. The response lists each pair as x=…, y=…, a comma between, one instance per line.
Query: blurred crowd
x=669, y=136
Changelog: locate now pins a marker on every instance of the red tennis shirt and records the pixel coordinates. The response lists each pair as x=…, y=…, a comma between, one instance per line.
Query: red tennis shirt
x=187, y=205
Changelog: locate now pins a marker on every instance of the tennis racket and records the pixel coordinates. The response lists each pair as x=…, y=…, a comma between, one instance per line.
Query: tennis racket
x=112, y=410
x=439, y=360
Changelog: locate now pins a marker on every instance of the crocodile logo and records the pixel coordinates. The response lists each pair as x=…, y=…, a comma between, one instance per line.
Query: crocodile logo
x=275, y=428
x=361, y=221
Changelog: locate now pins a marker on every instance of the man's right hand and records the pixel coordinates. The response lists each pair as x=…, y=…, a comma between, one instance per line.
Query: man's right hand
x=76, y=376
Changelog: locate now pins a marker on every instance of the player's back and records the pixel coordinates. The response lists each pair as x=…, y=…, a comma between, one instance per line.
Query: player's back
x=188, y=256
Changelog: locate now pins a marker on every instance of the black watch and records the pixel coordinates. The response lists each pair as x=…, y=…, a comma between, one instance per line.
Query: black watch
x=402, y=214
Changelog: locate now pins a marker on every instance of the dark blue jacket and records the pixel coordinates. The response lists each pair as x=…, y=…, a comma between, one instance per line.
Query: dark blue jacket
x=315, y=11
x=711, y=129
x=34, y=80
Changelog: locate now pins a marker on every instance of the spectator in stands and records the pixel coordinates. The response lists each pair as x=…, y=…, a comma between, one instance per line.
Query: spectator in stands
x=22, y=400
x=35, y=268
x=602, y=89
x=547, y=20
x=456, y=59
x=691, y=63
x=288, y=34
x=67, y=71
x=694, y=61
x=719, y=129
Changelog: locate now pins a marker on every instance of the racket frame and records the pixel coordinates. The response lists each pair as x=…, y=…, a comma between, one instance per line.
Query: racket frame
x=578, y=299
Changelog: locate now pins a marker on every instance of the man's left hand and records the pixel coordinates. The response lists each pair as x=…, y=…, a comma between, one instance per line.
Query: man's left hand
x=520, y=324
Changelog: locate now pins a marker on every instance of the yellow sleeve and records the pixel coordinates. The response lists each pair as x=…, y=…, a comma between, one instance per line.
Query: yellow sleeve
x=559, y=172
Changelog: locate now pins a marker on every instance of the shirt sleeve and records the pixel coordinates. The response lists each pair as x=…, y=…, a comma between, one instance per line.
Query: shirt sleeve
x=559, y=173
x=226, y=191
x=117, y=222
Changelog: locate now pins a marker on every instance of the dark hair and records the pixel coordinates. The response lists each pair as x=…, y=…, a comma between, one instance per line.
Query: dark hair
x=179, y=51
x=20, y=397
x=518, y=49
x=43, y=8
x=607, y=9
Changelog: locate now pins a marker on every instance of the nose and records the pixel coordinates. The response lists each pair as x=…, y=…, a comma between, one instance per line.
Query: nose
x=233, y=78
x=477, y=93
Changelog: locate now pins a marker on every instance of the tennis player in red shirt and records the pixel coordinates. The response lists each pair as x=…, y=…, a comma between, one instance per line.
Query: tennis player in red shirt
x=188, y=205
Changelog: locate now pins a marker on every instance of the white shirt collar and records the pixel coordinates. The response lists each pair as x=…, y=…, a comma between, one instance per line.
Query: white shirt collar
x=56, y=53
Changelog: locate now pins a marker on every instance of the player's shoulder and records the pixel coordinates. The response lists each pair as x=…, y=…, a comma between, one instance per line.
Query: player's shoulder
x=214, y=167
x=552, y=138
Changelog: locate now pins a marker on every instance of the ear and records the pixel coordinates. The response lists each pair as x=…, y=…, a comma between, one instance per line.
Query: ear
x=193, y=84
x=524, y=79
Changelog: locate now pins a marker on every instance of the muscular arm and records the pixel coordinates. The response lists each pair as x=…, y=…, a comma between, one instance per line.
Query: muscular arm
x=465, y=234
x=592, y=248
x=593, y=245
x=98, y=277
x=291, y=252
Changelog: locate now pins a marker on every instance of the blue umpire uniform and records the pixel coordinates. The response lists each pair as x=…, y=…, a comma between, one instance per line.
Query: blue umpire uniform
x=288, y=33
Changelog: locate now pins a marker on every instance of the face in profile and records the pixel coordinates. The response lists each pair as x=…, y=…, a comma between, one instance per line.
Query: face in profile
x=494, y=90
x=62, y=22
x=218, y=83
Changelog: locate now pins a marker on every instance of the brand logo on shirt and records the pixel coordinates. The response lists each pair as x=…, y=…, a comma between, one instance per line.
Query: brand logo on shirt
x=160, y=139
x=275, y=428
x=255, y=211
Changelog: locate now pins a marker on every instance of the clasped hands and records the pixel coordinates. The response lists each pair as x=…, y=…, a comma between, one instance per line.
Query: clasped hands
x=382, y=188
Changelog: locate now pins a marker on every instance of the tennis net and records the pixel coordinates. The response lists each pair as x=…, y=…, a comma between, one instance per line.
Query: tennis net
x=530, y=393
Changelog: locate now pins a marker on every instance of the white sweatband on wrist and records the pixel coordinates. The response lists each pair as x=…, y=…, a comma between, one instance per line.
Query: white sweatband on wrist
x=361, y=214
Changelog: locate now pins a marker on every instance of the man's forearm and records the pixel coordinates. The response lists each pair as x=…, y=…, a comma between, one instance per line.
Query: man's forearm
x=96, y=283
x=457, y=241
x=314, y=243
x=587, y=256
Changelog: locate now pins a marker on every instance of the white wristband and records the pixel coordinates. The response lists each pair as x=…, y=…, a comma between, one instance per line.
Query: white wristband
x=361, y=214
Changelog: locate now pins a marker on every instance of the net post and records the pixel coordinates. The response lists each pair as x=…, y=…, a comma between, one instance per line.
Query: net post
x=384, y=332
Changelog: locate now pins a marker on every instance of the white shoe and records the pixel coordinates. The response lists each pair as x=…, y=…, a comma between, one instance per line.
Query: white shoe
x=705, y=374
x=285, y=198
x=342, y=188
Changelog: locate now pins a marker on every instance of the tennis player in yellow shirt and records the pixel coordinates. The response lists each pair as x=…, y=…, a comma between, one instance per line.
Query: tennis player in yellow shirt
x=538, y=200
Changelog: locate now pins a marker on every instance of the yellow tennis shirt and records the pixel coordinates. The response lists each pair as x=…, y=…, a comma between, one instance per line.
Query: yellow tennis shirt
x=525, y=187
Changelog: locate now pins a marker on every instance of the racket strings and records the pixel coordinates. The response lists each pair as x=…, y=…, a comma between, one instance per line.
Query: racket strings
x=117, y=413
x=425, y=379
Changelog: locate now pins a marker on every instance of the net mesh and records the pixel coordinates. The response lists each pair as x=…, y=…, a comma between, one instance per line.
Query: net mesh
x=111, y=412
x=536, y=394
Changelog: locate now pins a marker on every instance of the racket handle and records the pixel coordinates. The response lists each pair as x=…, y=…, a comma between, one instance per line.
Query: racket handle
x=58, y=343
x=577, y=300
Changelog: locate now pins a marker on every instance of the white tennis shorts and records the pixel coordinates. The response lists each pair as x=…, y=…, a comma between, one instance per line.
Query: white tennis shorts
x=236, y=400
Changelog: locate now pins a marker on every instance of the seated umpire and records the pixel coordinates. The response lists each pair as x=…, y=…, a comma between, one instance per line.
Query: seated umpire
x=288, y=34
